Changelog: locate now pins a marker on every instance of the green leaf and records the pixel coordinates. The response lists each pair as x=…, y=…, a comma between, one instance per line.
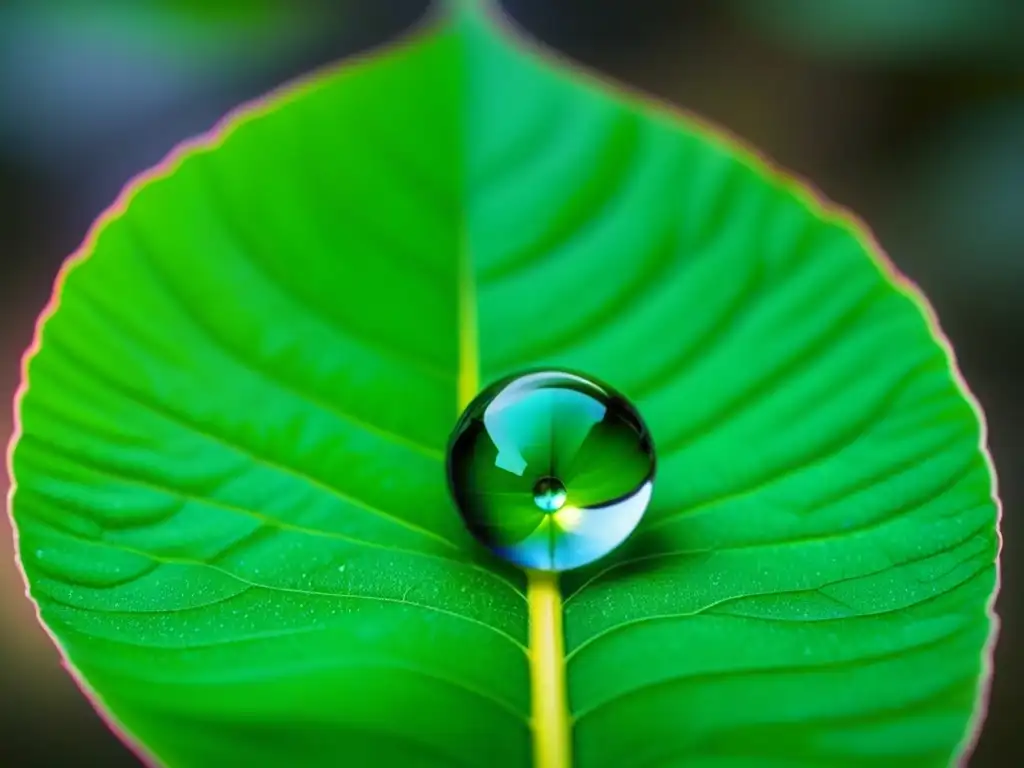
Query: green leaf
x=230, y=493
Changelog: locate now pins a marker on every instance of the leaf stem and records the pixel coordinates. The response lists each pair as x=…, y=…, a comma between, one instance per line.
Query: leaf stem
x=549, y=702
x=550, y=716
x=469, y=356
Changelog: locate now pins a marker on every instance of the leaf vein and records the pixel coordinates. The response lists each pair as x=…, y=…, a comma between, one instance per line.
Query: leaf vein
x=868, y=527
x=172, y=415
x=276, y=588
x=715, y=606
x=801, y=669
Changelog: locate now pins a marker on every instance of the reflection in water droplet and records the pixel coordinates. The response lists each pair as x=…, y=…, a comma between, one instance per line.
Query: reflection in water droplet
x=551, y=470
x=549, y=494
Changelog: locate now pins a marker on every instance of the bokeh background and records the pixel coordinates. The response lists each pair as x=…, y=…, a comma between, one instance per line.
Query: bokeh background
x=909, y=112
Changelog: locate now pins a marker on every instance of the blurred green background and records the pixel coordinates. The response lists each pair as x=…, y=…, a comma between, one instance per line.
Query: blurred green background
x=910, y=112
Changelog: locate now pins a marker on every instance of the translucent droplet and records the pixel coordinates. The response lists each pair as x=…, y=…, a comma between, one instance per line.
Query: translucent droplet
x=549, y=494
x=551, y=470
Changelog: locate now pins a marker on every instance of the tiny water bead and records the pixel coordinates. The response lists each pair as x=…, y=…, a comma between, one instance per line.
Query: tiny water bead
x=551, y=470
x=549, y=494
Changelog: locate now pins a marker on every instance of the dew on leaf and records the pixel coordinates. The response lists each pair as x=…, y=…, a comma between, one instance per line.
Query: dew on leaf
x=551, y=470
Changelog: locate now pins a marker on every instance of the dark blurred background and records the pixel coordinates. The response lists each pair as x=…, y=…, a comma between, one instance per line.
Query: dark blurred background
x=910, y=112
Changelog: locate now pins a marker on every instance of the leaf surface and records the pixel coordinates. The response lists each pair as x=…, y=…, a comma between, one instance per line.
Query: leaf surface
x=230, y=491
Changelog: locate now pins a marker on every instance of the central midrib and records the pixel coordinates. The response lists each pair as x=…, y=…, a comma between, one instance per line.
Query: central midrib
x=549, y=716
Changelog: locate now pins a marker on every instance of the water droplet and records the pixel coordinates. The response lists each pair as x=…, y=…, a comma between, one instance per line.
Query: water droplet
x=549, y=494
x=551, y=470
